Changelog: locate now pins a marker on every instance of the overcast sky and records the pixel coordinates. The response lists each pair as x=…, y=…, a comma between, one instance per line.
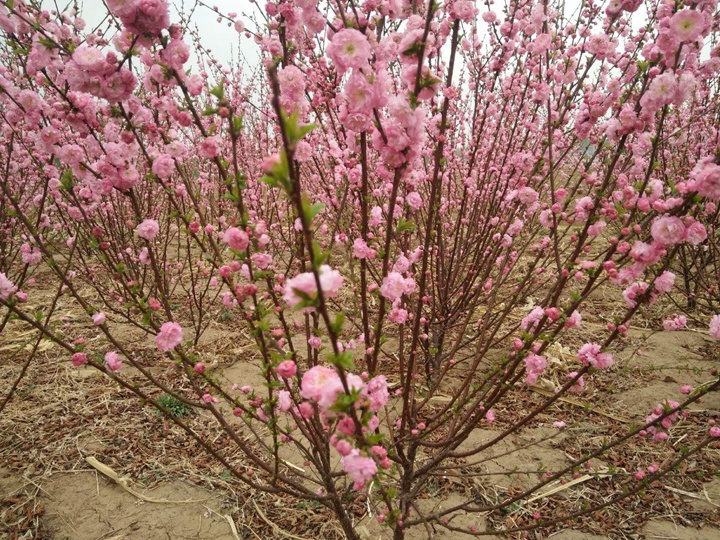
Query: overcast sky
x=221, y=39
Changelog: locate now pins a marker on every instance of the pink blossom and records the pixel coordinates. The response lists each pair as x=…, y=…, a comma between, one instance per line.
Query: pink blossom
x=462, y=10
x=707, y=181
x=176, y=54
x=142, y=16
x=574, y=320
x=98, y=318
x=284, y=400
x=600, y=45
x=343, y=447
x=163, y=166
x=633, y=292
x=715, y=326
x=665, y=423
x=377, y=392
x=663, y=90
x=236, y=239
x=686, y=389
x=676, y=322
x=552, y=313
x=169, y=337
x=360, y=469
x=664, y=282
x=668, y=230
x=89, y=58
x=589, y=354
x=715, y=432
x=346, y=426
x=349, y=48
x=261, y=260
x=304, y=285
x=322, y=385
x=7, y=287
x=210, y=147
x=530, y=322
x=30, y=255
x=402, y=264
x=148, y=229
x=79, y=359
x=534, y=367
x=579, y=384
x=361, y=249
x=695, y=233
x=413, y=200
x=394, y=285
x=292, y=88
x=398, y=316
x=286, y=369
x=362, y=96
x=113, y=361
x=687, y=25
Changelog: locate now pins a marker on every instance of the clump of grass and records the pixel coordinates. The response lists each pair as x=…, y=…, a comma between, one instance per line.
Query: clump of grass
x=177, y=408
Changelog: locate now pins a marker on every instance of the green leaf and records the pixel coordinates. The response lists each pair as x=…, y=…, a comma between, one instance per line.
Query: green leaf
x=344, y=360
x=344, y=402
x=236, y=124
x=270, y=181
x=67, y=179
x=405, y=225
x=218, y=91
x=312, y=210
x=319, y=255
x=338, y=323
x=375, y=438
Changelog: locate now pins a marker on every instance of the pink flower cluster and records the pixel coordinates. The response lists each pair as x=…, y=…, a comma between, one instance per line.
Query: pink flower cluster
x=236, y=239
x=360, y=469
x=534, y=367
x=163, y=166
x=304, y=286
x=7, y=287
x=169, y=337
x=141, y=16
x=659, y=433
x=715, y=326
x=148, y=229
x=349, y=48
x=361, y=249
x=112, y=361
x=676, y=322
x=98, y=74
x=590, y=355
x=292, y=89
x=322, y=386
x=706, y=179
x=394, y=286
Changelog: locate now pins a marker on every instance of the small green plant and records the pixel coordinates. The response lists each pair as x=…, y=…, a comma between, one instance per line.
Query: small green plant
x=177, y=408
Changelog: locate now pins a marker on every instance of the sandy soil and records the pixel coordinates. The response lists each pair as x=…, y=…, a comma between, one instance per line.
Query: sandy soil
x=61, y=415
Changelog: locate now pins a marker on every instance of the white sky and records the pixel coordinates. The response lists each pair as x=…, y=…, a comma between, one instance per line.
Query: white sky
x=221, y=39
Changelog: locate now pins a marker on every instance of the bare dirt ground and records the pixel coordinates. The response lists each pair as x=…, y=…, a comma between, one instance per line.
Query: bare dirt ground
x=61, y=415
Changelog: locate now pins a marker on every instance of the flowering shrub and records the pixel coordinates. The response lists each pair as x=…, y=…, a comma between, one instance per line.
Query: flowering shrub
x=376, y=210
